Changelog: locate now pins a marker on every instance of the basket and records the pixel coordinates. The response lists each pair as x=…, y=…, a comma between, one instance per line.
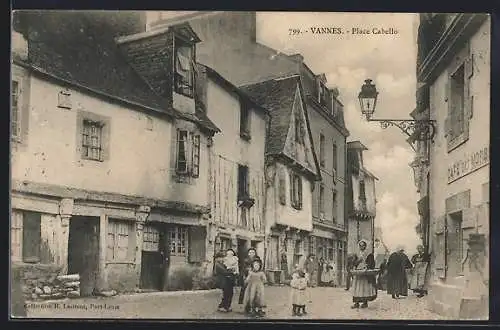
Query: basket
x=357, y=272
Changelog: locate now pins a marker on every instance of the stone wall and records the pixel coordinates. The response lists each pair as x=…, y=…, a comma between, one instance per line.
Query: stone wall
x=44, y=282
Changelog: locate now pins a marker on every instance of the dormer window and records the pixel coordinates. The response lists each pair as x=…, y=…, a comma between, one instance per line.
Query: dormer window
x=244, y=120
x=184, y=65
x=322, y=94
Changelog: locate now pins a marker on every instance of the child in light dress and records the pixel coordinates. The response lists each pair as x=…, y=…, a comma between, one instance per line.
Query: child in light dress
x=231, y=262
x=253, y=300
x=299, y=293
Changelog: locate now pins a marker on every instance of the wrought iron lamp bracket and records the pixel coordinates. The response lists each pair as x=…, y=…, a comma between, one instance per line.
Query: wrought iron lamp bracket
x=426, y=128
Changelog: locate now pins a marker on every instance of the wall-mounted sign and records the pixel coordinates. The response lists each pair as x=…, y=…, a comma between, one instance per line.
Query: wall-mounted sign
x=469, y=163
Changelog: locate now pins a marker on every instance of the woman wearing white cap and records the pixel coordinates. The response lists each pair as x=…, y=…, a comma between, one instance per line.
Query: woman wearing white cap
x=364, y=287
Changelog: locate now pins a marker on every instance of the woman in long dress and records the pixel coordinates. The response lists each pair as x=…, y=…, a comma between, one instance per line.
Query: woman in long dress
x=364, y=287
x=418, y=281
x=397, y=282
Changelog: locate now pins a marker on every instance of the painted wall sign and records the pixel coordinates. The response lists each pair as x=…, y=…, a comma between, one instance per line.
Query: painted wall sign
x=468, y=164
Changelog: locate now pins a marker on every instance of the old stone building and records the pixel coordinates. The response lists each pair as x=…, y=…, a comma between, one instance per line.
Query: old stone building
x=291, y=171
x=361, y=198
x=243, y=60
x=109, y=167
x=452, y=170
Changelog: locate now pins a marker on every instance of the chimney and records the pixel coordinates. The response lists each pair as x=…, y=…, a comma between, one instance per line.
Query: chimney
x=19, y=46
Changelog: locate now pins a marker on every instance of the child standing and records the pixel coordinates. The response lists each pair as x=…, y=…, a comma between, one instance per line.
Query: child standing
x=253, y=300
x=299, y=294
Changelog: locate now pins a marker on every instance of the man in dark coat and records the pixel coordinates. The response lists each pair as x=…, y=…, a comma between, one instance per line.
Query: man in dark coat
x=397, y=282
x=224, y=280
x=351, y=260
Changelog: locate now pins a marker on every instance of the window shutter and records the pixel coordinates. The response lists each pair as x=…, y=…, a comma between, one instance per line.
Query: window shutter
x=292, y=200
x=299, y=181
x=196, y=244
x=469, y=98
x=447, y=120
x=195, y=167
x=439, y=250
x=282, y=188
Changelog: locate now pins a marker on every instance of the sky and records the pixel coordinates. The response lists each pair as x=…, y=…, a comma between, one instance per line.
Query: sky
x=347, y=60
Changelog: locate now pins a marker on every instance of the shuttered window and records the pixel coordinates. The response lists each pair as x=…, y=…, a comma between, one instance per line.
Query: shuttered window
x=16, y=235
x=439, y=248
x=322, y=159
x=187, y=153
x=121, y=242
x=459, y=99
x=196, y=156
x=282, y=187
x=321, y=201
x=197, y=249
x=296, y=191
x=31, y=236
x=15, y=124
x=334, y=161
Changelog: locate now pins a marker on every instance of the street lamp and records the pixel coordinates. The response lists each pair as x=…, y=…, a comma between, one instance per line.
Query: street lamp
x=415, y=129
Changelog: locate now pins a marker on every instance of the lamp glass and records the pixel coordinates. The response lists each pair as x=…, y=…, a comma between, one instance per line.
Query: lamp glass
x=368, y=98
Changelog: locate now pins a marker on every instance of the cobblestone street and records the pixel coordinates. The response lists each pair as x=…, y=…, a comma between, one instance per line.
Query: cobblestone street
x=327, y=303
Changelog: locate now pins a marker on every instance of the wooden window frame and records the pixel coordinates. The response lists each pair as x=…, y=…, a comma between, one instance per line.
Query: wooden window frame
x=463, y=61
x=296, y=191
x=245, y=120
x=114, y=230
x=334, y=161
x=322, y=158
x=181, y=85
x=243, y=182
x=15, y=125
x=190, y=164
x=176, y=235
x=321, y=204
x=87, y=144
x=334, y=205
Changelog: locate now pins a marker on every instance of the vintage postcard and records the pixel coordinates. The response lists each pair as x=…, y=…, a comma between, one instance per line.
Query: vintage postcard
x=250, y=165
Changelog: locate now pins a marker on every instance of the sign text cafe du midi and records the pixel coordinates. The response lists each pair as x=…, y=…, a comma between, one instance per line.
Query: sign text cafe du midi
x=468, y=164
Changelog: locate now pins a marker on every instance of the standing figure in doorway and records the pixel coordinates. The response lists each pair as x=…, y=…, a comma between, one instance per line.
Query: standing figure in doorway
x=418, y=279
x=364, y=286
x=397, y=282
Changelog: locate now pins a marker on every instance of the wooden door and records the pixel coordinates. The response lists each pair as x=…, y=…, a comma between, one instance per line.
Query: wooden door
x=83, y=252
x=164, y=245
x=454, y=242
x=151, y=260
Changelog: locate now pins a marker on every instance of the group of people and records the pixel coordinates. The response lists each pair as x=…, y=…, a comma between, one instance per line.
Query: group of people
x=252, y=279
x=320, y=273
x=396, y=274
x=366, y=275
